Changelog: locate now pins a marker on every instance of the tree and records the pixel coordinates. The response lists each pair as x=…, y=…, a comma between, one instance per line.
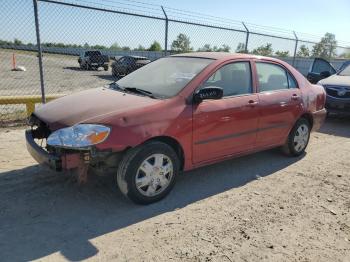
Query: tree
x=346, y=54
x=326, y=47
x=282, y=53
x=86, y=46
x=155, y=47
x=140, y=48
x=208, y=48
x=115, y=47
x=240, y=48
x=17, y=42
x=265, y=50
x=303, y=51
x=181, y=44
x=98, y=47
x=223, y=48
x=205, y=48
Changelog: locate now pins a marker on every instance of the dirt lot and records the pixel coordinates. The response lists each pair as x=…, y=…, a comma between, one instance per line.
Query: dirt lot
x=62, y=75
x=263, y=207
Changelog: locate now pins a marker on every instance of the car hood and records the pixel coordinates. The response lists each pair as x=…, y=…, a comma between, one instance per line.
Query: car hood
x=336, y=80
x=90, y=106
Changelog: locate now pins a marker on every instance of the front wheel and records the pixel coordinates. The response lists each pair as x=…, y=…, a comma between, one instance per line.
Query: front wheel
x=298, y=138
x=147, y=173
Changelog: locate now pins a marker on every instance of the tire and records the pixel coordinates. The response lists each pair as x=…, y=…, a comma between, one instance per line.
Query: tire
x=105, y=67
x=296, y=146
x=137, y=183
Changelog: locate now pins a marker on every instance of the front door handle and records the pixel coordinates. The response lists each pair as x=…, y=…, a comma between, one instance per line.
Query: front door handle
x=252, y=103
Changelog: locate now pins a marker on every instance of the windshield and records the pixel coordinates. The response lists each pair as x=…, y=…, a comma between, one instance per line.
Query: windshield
x=345, y=71
x=165, y=77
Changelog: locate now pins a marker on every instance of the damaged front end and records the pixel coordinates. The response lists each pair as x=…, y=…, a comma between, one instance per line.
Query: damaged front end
x=71, y=148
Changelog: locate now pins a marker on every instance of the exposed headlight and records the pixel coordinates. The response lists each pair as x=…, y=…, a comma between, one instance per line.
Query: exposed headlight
x=79, y=136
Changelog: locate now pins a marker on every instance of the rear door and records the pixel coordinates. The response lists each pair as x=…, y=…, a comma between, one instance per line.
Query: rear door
x=280, y=103
x=320, y=69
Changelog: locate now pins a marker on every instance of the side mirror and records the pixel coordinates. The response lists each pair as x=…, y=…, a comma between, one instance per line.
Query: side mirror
x=325, y=74
x=210, y=92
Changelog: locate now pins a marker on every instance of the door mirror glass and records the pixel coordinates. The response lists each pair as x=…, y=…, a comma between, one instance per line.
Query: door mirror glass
x=209, y=92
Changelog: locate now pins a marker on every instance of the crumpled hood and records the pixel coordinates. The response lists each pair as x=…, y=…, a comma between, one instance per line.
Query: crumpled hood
x=88, y=105
x=336, y=80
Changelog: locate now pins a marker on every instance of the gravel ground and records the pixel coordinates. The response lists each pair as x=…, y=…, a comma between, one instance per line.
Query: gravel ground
x=262, y=207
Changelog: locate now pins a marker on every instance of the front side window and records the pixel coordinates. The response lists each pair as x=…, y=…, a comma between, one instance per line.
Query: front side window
x=234, y=79
x=273, y=77
x=165, y=77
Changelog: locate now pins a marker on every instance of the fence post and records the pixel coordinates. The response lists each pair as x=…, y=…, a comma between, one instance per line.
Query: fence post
x=38, y=43
x=166, y=32
x=295, y=48
x=246, y=38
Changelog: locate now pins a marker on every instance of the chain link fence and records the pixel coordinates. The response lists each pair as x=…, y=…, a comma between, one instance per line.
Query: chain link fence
x=59, y=32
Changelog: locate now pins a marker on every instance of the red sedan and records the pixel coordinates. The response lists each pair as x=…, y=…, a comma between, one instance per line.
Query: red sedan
x=176, y=114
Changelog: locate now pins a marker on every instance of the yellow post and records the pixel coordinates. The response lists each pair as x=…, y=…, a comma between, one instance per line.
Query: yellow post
x=29, y=101
x=30, y=106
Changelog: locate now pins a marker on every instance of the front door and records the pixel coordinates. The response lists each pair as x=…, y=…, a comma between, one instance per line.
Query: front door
x=226, y=126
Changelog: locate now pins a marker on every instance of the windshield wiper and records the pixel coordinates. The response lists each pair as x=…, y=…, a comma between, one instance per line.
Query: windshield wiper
x=114, y=85
x=139, y=91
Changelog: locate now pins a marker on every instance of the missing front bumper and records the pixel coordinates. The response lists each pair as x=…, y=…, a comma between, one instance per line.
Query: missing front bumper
x=55, y=162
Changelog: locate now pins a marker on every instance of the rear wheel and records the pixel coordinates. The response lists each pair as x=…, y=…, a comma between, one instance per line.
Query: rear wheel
x=147, y=173
x=298, y=138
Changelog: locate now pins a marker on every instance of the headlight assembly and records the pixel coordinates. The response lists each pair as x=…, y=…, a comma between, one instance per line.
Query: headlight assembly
x=79, y=136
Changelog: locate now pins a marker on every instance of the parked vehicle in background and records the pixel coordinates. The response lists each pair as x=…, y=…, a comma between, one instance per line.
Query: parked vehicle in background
x=127, y=64
x=93, y=60
x=337, y=88
x=175, y=114
x=320, y=69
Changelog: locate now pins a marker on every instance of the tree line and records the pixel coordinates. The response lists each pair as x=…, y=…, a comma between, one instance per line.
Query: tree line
x=325, y=48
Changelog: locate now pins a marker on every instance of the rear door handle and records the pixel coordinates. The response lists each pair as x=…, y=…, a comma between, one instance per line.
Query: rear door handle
x=252, y=103
x=295, y=97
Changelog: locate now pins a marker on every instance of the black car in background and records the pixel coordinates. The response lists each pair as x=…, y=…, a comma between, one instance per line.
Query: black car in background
x=127, y=64
x=93, y=60
x=335, y=83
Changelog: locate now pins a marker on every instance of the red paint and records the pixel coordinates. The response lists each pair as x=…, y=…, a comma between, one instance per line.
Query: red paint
x=239, y=125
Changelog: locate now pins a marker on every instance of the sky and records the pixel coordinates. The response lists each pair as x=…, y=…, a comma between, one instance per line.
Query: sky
x=73, y=25
x=307, y=16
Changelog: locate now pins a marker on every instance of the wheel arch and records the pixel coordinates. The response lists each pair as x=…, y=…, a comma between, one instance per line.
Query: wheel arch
x=309, y=118
x=174, y=144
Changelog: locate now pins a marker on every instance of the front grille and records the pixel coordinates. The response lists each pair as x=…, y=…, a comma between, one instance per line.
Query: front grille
x=338, y=91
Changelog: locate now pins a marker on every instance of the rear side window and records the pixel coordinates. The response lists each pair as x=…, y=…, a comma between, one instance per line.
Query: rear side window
x=234, y=79
x=291, y=81
x=274, y=77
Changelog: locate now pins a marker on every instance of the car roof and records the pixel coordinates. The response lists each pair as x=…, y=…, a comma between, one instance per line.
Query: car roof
x=223, y=56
